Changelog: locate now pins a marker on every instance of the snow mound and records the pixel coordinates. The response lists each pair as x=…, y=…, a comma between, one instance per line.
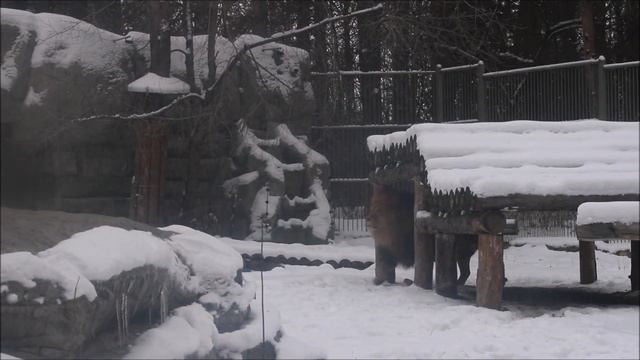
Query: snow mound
x=190, y=331
x=104, y=252
x=625, y=212
x=584, y=157
x=156, y=84
x=61, y=41
x=23, y=267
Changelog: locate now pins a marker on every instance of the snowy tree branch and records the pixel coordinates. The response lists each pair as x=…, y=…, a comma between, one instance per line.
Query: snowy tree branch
x=234, y=60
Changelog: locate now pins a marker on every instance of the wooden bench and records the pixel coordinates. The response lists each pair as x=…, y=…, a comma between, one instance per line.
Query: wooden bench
x=608, y=221
x=464, y=175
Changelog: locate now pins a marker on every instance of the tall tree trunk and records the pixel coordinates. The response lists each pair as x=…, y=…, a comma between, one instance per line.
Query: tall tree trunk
x=586, y=15
x=403, y=91
x=303, y=19
x=260, y=17
x=370, y=60
x=347, y=60
x=188, y=59
x=211, y=40
x=160, y=38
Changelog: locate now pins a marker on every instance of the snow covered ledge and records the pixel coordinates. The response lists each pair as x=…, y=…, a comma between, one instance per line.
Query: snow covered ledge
x=607, y=221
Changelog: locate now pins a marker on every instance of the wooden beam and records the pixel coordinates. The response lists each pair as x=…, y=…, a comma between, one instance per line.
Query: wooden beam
x=588, y=269
x=446, y=269
x=603, y=231
x=386, y=176
x=423, y=244
x=552, y=202
x=489, y=222
x=635, y=266
x=490, y=279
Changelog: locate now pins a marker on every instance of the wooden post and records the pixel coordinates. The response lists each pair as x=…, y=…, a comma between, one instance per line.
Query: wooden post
x=635, y=265
x=383, y=235
x=446, y=269
x=490, y=279
x=588, y=270
x=422, y=242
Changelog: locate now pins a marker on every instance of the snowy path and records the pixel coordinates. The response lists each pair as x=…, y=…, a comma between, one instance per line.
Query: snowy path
x=342, y=312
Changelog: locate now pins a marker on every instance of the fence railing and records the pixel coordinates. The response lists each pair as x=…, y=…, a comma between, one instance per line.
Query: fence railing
x=352, y=105
x=556, y=92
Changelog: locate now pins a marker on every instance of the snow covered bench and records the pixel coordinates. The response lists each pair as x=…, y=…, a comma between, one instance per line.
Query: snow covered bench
x=464, y=174
x=606, y=221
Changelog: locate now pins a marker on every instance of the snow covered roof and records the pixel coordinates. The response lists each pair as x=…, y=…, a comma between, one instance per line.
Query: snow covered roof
x=156, y=84
x=625, y=212
x=584, y=157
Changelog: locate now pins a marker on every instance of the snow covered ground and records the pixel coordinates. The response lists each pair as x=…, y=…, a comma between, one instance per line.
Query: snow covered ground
x=343, y=313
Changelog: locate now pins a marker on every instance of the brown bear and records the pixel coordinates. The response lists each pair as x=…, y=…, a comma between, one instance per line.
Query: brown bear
x=390, y=221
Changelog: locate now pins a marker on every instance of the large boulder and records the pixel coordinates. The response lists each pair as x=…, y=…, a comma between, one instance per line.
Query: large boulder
x=64, y=301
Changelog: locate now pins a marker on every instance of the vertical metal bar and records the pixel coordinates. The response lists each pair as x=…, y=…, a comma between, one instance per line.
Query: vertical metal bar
x=602, y=90
x=439, y=95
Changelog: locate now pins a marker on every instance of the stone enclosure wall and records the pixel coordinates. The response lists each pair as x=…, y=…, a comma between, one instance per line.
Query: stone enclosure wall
x=56, y=73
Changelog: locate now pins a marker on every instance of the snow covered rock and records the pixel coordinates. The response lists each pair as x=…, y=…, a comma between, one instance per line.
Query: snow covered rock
x=56, y=68
x=57, y=301
x=282, y=183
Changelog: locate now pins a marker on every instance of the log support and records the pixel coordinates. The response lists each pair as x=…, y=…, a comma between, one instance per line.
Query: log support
x=588, y=269
x=635, y=265
x=424, y=244
x=490, y=279
x=446, y=268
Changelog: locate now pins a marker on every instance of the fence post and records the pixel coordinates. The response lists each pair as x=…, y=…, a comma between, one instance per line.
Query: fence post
x=439, y=95
x=482, y=106
x=602, y=89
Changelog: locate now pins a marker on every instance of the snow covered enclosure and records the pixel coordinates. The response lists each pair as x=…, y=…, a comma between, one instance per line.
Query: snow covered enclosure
x=625, y=212
x=584, y=157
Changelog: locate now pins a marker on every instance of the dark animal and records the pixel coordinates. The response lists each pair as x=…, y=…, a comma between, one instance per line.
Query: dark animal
x=390, y=221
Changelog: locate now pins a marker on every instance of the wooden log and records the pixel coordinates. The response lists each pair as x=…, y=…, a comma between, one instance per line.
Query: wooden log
x=588, y=269
x=446, y=269
x=423, y=244
x=635, y=266
x=603, y=231
x=551, y=202
x=489, y=222
x=490, y=279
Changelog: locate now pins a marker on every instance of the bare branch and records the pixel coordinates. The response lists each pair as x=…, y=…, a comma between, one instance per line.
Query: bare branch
x=234, y=60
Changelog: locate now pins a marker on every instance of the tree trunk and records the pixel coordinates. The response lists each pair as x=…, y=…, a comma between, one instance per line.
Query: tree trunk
x=588, y=269
x=446, y=269
x=404, y=86
x=188, y=59
x=260, y=18
x=586, y=15
x=211, y=41
x=160, y=38
x=303, y=19
x=490, y=279
x=347, y=61
x=370, y=60
x=423, y=243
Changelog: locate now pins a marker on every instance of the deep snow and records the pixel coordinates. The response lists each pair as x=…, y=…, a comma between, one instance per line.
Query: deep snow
x=342, y=312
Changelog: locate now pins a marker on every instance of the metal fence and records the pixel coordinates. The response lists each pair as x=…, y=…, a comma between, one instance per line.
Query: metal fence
x=352, y=105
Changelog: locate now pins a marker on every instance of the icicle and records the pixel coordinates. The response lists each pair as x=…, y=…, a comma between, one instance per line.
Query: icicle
x=118, y=320
x=163, y=306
